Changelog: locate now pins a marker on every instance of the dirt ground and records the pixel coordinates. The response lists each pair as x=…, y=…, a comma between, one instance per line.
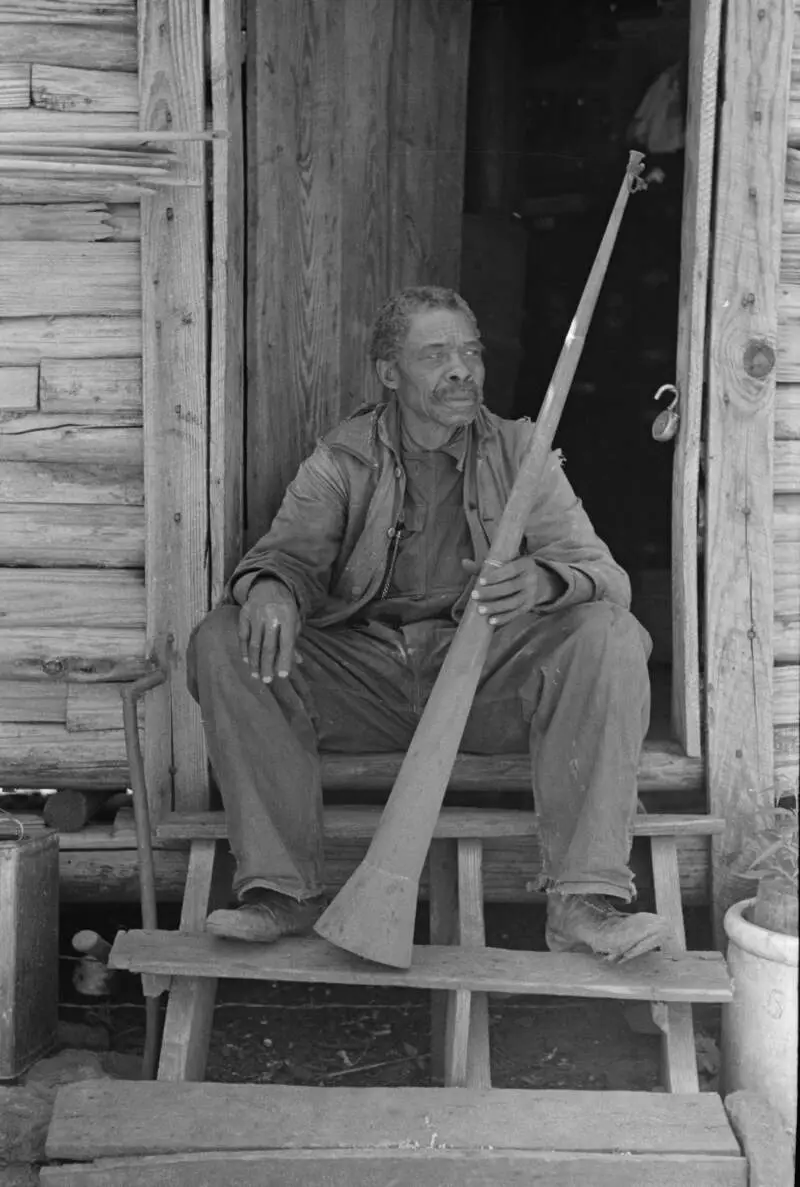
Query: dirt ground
x=315, y=1035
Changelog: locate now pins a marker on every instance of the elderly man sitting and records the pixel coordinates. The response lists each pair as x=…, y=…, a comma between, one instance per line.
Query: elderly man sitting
x=339, y=618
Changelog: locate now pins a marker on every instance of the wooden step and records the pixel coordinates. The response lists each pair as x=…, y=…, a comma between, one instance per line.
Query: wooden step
x=357, y=823
x=687, y=977
x=112, y=1119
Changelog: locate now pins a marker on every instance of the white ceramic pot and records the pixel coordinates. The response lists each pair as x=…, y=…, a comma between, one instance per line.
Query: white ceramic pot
x=759, y=1027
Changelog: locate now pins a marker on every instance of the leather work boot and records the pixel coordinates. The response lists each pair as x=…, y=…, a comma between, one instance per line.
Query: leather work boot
x=264, y=916
x=589, y=923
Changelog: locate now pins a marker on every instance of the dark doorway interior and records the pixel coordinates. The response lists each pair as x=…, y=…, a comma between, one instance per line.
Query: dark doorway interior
x=554, y=94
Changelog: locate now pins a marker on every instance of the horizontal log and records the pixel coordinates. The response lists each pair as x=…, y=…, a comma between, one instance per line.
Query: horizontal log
x=662, y=765
x=786, y=695
x=71, y=808
x=33, y=701
x=93, y=47
x=77, y=598
x=91, y=385
x=787, y=759
x=69, y=278
x=50, y=756
x=117, y=439
x=786, y=520
x=28, y=340
x=96, y=707
x=786, y=475
x=15, y=190
x=44, y=534
x=15, y=85
x=62, y=88
x=786, y=640
x=38, y=121
x=787, y=412
x=510, y=869
x=65, y=482
x=19, y=389
x=88, y=222
x=68, y=11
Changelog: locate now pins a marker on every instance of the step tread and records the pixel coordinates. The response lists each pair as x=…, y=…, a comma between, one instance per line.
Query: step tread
x=688, y=977
x=108, y=1119
x=353, y=823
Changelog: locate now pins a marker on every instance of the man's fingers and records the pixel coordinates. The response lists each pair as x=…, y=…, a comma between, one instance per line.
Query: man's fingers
x=254, y=646
x=283, y=663
x=244, y=633
x=503, y=607
x=502, y=589
x=269, y=648
x=497, y=574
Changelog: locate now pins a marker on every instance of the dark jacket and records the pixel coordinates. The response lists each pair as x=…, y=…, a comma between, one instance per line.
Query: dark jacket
x=329, y=542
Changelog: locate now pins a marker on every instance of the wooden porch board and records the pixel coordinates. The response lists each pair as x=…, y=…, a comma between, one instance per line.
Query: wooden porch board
x=113, y=1119
x=349, y=823
x=696, y=976
x=407, y=1168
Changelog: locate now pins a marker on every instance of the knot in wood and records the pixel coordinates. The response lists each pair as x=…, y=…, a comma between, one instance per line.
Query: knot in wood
x=759, y=359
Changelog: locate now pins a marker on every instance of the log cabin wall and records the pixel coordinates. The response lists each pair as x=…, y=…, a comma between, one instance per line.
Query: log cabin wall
x=786, y=475
x=71, y=443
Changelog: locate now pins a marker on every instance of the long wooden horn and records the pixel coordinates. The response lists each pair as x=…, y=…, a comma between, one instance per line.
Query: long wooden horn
x=374, y=913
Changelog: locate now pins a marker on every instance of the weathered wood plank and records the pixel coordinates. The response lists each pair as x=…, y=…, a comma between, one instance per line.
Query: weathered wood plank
x=472, y=933
x=786, y=627
x=16, y=190
x=57, y=598
x=175, y=390
x=109, y=1119
x=95, y=707
x=786, y=520
x=19, y=389
x=65, y=482
x=62, y=88
x=407, y=1168
x=786, y=695
x=50, y=756
x=787, y=759
x=59, y=437
x=70, y=278
x=26, y=341
x=91, y=385
x=43, y=534
x=787, y=467
x=348, y=824
x=87, y=222
x=79, y=653
x=33, y=701
x=294, y=213
x=741, y=390
x=787, y=412
x=15, y=84
x=704, y=43
x=226, y=397
x=94, y=47
x=678, y=1058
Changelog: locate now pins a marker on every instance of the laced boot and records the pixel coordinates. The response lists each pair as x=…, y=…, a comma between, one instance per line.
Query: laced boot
x=264, y=916
x=590, y=923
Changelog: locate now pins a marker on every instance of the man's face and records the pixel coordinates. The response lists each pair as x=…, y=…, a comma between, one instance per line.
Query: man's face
x=438, y=374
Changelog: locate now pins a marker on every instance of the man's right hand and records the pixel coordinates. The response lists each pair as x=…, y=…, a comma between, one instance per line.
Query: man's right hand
x=269, y=623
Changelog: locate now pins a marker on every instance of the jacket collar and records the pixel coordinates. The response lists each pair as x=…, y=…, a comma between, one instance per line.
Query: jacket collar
x=360, y=433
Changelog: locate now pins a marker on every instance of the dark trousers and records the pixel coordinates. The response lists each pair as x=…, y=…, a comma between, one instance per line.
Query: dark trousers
x=571, y=688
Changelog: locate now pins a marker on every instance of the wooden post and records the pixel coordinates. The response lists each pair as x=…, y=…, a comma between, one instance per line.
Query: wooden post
x=175, y=395
x=741, y=391
x=226, y=412
x=701, y=120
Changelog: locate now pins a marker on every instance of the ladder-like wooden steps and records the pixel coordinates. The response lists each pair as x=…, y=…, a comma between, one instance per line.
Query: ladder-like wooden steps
x=191, y=1135
x=687, y=977
x=354, y=823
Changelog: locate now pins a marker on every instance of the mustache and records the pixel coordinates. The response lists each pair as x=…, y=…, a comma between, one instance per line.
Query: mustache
x=470, y=388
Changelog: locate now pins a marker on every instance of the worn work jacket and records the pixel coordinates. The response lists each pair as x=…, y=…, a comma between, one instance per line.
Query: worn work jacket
x=330, y=540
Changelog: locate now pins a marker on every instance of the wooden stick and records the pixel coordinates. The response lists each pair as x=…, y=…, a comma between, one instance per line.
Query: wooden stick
x=98, y=136
x=35, y=165
x=373, y=915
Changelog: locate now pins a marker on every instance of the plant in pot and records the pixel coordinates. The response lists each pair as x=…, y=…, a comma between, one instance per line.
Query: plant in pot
x=759, y=1027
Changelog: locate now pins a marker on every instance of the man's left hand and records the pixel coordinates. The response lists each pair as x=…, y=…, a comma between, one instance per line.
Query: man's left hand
x=506, y=591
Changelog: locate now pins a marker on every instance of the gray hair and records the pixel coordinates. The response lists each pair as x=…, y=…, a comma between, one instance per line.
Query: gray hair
x=393, y=319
